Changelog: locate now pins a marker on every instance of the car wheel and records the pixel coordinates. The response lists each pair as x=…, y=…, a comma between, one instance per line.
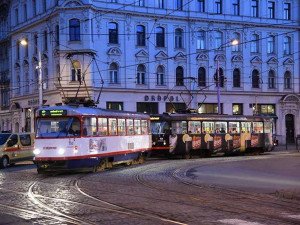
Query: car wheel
x=4, y=162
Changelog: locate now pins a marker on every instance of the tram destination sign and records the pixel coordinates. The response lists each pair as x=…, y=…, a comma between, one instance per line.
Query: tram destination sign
x=56, y=112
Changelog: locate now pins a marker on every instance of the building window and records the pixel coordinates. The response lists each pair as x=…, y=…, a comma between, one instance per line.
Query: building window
x=114, y=1
x=179, y=4
x=178, y=38
x=141, y=74
x=287, y=80
x=44, y=5
x=147, y=107
x=26, y=82
x=140, y=2
x=34, y=7
x=160, y=75
x=76, y=71
x=236, y=7
x=265, y=109
x=18, y=50
x=45, y=79
x=254, y=43
x=210, y=108
x=175, y=107
x=236, y=78
x=287, y=11
x=57, y=35
x=25, y=12
x=271, y=79
x=254, y=8
x=140, y=35
x=18, y=88
x=255, y=79
x=271, y=44
x=113, y=33
x=74, y=26
x=45, y=41
x=218, y=6
x=160, y=4
x=201, y=5
x=26, y=48
x=35, y=44
x=113, y=73
x=201, y=40
x=237, y=109
x=271, y=10
x=115, y=105
x=17, y=16
x=236, y=48
x=218, y=40
x=201, y=77
x=222, y=78
x=179, y=76
x=287, y=45
x=160, y=37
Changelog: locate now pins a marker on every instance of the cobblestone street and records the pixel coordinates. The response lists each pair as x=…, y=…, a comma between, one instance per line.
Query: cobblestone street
x=156, y=192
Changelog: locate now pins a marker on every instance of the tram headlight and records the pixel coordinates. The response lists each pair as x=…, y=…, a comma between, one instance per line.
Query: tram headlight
x=61, y=151
x=36, y=151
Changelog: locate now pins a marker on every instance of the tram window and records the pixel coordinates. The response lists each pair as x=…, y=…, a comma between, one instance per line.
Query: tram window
x=144, y=127
x=234, y=127
x=257, y=127
x=112, y=124
x=129, y=124
x=268, y=127
x=179, y=127
x=160, y=127
x=137, y=126
x=121, y=127
x=246, y=127
x=75, y=127
x=221, y=127
x=102, y=126
x=89, y=126
x=208, y=127
x=194, y=127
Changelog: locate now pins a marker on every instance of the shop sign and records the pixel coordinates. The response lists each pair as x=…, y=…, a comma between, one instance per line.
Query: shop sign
x=158, y=98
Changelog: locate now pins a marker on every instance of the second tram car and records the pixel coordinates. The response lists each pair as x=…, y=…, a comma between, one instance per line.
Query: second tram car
x=70, y=137
x=204, y=135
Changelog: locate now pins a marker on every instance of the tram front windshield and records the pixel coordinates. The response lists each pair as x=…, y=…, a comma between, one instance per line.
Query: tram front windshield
x=58, y=127
x=160, y=127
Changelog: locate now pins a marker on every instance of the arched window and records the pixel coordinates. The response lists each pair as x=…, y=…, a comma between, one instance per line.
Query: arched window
x=222, y=78
x=287, y=45
x=160, y=37
x=178, y=38
x=179, y=76
x=255, y=79
x=76, y=71
x=271, y=44
x=113, y=33
x=113, y=73
x=218, y=40
x=254, y=43
x=201, y=40
x=160, y=79
x=45, y=79
x=287, y=80
x=236, y=78
x=74, y=26
x=140, y=35
x=140, y=77
x=271, y=79
x=18, y=88
x=236, y=48
x=201, y=77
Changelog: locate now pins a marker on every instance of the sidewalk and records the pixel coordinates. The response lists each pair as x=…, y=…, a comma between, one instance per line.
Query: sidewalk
x=288, y=148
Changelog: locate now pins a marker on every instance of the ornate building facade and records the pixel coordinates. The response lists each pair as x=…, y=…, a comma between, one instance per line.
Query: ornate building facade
x=156, y=55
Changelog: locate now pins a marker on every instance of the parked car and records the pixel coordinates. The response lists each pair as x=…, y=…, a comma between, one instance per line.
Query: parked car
x=15, y=147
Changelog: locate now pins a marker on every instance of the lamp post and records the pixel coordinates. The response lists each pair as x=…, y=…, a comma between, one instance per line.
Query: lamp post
x=39, y=68
x=232, y=43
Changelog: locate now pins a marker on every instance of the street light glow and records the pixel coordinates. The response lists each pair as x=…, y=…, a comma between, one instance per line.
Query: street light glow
x=235, y=42
x=24, y=42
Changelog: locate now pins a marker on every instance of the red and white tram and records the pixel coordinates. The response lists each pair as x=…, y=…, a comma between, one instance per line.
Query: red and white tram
x=70, y=137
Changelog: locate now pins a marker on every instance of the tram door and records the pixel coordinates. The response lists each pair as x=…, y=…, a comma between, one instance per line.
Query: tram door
x=290, y=128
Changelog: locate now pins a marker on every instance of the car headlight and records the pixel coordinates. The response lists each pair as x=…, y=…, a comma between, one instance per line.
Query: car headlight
x=61, y=151
x=36, y=151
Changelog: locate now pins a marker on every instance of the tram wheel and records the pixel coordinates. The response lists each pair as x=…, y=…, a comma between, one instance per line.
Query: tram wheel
x=102, y=165
x=187, y=156
x=140, y=158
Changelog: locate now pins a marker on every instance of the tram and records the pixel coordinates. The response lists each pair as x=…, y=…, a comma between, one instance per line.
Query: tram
x=205, y=135
x=72, y=137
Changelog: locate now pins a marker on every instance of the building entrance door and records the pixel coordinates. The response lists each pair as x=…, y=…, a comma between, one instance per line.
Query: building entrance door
x=290, y=128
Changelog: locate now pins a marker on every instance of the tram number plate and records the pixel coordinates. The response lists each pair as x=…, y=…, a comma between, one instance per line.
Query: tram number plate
x=130, y=146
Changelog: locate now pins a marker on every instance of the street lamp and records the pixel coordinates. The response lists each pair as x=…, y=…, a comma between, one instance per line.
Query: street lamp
x=232, y=43
x=39, y=67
